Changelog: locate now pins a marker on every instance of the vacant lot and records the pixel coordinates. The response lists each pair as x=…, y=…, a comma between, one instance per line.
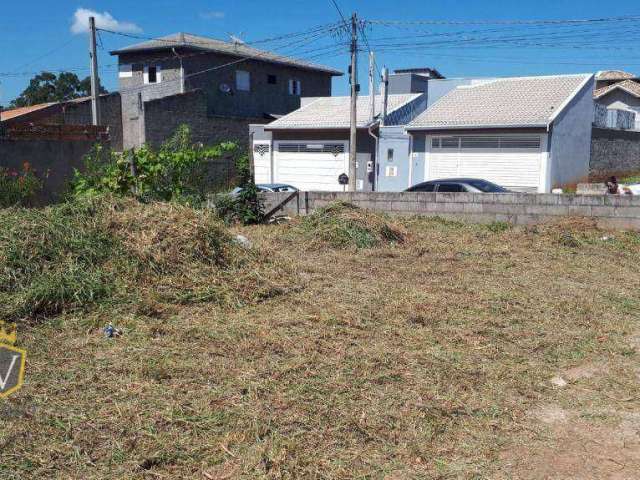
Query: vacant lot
x=347, y=346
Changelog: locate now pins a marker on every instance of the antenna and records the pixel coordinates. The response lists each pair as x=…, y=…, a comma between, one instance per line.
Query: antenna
x=236, y=38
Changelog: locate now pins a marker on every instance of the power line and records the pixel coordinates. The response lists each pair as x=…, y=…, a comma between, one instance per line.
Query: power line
x=344, y=20
x=505, y=22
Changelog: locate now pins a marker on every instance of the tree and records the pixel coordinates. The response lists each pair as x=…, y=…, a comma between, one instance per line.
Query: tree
x=49, y=87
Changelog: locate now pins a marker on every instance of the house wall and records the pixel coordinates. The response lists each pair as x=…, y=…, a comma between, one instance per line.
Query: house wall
x=393, y=138
x=407, y=83
x=164, y=115
x=263, y=98
x=619, y=99
x=614, y=152
x=571, y=139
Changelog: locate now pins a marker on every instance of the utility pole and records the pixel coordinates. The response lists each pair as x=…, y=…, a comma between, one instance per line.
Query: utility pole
x=385, y=95
x=353, y=71
x=95, y=81
x=372, y=85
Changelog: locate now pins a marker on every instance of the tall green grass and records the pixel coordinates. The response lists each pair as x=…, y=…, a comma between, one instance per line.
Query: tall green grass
x=56, y=258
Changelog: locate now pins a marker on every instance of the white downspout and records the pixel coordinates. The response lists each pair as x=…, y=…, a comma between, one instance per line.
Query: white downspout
x=410, y=160
x=376, y=156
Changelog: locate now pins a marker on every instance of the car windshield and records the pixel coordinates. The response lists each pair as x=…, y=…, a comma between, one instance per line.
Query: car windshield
x=486, y=187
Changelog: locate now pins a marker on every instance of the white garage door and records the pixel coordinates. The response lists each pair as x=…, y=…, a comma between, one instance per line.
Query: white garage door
x=511, y=161
x=311, y=165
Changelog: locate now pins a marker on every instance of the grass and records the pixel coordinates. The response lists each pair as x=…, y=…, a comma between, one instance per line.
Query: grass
x=344, y=225
x=630, y=179
x=348, y=358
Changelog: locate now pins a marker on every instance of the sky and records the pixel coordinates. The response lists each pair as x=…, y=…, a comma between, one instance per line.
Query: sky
x=50, y=35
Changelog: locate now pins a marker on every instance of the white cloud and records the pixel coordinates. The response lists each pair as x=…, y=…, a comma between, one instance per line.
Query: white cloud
x=212, y=15
x=103, y=20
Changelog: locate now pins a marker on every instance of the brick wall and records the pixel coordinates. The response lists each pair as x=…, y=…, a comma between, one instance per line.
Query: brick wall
x=614, y=152
x=163, y=116
x=517, y=208
x=79, y=113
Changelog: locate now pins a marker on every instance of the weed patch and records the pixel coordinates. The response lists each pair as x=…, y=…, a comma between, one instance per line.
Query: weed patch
x=343, y=225
x=100, y=249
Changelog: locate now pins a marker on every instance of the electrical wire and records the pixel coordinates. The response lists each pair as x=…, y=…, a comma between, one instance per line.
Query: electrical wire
x=506, y=22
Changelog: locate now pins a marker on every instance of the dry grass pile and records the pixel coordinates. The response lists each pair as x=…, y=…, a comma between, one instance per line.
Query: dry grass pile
x=117, y=253
x=343, y=225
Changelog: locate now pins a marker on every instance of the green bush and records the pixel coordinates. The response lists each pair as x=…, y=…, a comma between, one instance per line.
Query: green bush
x=244, y=207
x=176, y=171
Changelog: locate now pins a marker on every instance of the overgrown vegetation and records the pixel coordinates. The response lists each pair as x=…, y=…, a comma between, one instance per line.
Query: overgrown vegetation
x=177, y=171
x=344, y=225
x=243, y=205
x=101, y=250
x=19, y=188
x=428, y=358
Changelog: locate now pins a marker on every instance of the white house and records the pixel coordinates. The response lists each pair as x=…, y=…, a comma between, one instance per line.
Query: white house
x=526, y=133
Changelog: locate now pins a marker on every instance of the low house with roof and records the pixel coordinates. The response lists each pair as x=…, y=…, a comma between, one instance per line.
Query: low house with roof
x=309, y=148
x=216, y=87
x=527, y=133
x=618, y=90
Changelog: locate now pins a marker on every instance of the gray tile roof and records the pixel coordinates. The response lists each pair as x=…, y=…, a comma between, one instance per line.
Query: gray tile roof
x=628, y=86
x=187, y=40
x=614, y=75
x=334, y=112
x=507, y=102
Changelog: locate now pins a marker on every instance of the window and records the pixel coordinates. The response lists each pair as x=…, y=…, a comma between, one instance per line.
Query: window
x=450, y=187
x=480, y=142
x=529, y=142
x=390, y=155
x=423, y=187
x=295, y=87
x=487, y=187
x=334, y=148
x=125, y=71
x=450, y=142
x=243, y=81
x=152, y=74
x=391, y=171
x=272, y=79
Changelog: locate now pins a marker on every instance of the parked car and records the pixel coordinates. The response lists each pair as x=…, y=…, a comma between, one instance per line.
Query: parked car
x=268, y=187
x=473, y=185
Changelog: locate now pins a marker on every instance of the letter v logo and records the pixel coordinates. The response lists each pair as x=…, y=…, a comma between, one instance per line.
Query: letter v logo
x=3, y=381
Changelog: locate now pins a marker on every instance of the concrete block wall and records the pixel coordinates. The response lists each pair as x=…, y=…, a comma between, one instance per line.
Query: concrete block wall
x=164, y=115
x=517, y=208
x=79, y=113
